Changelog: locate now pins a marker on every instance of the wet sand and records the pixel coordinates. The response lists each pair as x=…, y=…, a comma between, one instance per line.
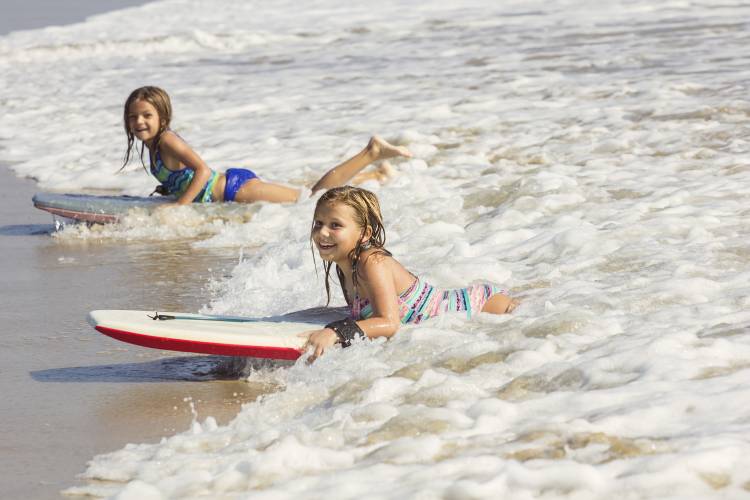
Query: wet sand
x=31, y=14
x=69, y=393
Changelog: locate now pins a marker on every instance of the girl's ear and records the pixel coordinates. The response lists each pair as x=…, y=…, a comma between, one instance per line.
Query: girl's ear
x=366, y=235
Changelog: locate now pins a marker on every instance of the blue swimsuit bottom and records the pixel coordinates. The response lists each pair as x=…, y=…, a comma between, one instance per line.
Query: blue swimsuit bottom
x=236, y=178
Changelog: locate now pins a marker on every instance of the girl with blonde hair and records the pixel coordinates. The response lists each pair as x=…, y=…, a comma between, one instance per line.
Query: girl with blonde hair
x=382, y=294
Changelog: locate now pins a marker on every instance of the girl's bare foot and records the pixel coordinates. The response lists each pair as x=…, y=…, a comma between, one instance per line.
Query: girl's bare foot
x=379, y=149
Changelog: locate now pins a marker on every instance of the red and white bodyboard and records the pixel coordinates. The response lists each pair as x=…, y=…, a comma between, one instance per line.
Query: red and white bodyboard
x=274, y=337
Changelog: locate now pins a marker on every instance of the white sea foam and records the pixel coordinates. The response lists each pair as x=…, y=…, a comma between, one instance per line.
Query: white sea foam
x=590, y=156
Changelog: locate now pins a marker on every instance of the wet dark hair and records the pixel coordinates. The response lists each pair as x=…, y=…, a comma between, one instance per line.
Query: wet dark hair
x=159, y=99
x=367, y=215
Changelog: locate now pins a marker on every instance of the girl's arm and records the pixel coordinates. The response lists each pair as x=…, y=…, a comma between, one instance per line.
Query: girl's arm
x=377, y=277
x=174, y=147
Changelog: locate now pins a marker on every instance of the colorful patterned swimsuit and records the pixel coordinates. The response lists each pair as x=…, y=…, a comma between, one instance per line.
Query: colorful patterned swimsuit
x=176, y=182
x=422, y=301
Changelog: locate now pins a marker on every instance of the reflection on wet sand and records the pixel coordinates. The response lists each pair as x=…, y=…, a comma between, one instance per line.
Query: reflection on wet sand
x=165, y=275
x=162, y=396
x=164, y=409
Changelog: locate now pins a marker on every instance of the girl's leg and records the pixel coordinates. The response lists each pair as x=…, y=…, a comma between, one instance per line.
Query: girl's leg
x=381, y=173
x=376, y=149
x=500, y=304
x=258, y=190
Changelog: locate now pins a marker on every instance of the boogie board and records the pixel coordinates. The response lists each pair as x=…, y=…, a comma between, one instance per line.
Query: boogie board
x=90, y=208
x=274, y=337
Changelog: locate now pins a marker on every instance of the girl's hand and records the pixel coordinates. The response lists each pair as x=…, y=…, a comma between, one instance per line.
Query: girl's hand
x=319, y=340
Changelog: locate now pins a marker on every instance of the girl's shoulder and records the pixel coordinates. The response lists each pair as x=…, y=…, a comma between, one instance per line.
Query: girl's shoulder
x=378, y=265
x=377, y=260
x=170, y=140
x=171, y=148
x=374, y=256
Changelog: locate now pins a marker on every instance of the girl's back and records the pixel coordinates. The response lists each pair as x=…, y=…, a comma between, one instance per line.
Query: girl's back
x=375, y=265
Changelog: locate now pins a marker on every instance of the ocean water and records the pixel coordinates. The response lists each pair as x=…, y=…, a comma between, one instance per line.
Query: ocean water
x=590, y=156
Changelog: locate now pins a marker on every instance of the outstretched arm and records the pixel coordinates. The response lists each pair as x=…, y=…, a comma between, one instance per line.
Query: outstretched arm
x=376, y=278
x=172, y=146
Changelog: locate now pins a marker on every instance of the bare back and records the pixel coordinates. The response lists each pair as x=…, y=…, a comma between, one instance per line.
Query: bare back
x=374, y=260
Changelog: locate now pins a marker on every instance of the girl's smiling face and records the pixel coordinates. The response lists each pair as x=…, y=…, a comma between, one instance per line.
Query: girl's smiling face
x=144, y=121
x=336, y=232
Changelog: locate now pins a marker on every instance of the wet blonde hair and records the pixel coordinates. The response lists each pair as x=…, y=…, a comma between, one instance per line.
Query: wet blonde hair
x=367, y=215
x=159, y=99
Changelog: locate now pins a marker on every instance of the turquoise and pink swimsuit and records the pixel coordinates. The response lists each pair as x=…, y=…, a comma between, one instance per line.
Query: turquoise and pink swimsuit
x=176, y=182
x=422, y=301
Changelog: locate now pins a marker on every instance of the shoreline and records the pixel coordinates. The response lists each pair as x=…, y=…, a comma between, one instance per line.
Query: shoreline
x=70, y=393
x=68, y=387
x=24, y=15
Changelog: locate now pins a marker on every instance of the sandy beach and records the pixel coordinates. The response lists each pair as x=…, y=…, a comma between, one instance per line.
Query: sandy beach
x=69, y=393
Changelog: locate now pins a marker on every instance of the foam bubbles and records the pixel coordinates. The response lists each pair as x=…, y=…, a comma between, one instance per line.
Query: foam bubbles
x=575, y=153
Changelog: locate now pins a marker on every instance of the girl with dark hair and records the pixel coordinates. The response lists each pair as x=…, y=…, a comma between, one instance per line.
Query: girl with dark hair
x=183, y=174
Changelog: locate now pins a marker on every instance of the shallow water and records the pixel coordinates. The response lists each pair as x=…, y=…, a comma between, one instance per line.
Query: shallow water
x=66, y=387
x=592, y=157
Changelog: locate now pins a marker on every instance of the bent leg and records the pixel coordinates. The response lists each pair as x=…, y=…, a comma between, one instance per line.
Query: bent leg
x=381, y=173
x=500, y=304
x=258, y=190
x=377, y=149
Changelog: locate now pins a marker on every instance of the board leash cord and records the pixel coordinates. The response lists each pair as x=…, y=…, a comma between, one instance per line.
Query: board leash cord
x=165, y=317
x=161, y=317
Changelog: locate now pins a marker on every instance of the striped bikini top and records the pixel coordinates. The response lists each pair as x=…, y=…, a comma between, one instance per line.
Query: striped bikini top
x=415, y=303
x=176, y=182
